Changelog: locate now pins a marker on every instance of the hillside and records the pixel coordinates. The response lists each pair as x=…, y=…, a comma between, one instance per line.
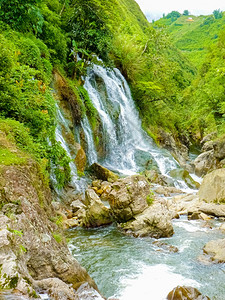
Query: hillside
x=193, y=35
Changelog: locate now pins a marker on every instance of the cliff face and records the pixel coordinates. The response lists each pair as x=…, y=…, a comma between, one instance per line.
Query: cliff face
x=32, y=248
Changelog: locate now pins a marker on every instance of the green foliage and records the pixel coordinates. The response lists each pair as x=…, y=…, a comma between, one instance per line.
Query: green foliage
x=89, y=29
x=186, y=13
x=150, y=198
x=22, y=15
x=218, y=14
x=58, y=237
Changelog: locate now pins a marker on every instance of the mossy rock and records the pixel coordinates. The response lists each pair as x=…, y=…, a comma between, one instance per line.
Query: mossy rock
x=103, y=173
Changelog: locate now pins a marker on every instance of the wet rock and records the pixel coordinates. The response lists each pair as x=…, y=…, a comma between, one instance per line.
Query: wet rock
x=154, y=177
x=80, y=159
x=197, y=215
x=212, y=209
x=216, y=250
x=128, y=197
x=97, y=214
x=86, y=292
x=212, y=188
x=103, y=173
x=184, y=175
x=154, y=222
x=186, y=293
x=165, y=246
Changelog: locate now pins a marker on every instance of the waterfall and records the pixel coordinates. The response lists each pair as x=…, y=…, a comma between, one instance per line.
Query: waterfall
x=79, y=184
x=127, y=146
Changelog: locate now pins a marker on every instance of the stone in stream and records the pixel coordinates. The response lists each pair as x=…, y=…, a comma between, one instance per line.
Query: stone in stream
x=128, y=197
x=186, y=293
x=154, y=222
x=215, y=250
x=97, y=214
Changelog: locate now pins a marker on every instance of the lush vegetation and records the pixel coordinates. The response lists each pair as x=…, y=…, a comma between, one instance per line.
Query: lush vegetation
x=66, y=36
x=193, y=35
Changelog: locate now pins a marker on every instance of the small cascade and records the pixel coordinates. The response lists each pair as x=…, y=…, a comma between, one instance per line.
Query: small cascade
x=127, y=147
x=77, y=183
x=91, y=151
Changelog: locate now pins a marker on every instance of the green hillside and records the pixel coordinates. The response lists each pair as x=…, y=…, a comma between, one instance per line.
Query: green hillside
x=193, y=35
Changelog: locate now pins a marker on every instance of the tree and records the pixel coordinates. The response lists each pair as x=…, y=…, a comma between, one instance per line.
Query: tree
x=89, y=29
x=22, y=15
x=218, y=14
x=186, y=13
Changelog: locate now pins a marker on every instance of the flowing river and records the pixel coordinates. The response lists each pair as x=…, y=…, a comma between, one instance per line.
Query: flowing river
x=128, y=268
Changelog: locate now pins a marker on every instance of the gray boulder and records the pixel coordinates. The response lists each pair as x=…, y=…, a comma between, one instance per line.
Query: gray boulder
x=128, y=197
x=155, y=222
x=212, y=188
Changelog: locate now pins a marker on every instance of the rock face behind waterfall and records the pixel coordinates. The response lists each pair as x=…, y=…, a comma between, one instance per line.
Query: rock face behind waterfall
x=33, y=253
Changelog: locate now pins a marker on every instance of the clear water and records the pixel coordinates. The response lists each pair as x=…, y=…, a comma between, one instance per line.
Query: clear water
x=130, y=268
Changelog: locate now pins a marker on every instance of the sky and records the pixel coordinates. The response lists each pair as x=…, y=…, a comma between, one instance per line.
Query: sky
x=154, y=9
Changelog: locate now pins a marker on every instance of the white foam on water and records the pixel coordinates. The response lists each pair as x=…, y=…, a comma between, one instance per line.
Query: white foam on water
x=191, y=226
x=154, y=282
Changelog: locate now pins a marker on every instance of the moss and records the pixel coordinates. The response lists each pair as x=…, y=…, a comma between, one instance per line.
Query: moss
x=58, y=237
x=9, y=158
x=150, y=198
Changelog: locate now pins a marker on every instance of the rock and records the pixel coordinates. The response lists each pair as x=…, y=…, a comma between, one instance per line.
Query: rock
x=219, y=149
x=184, y=174
x=208, y=146
x=57, y=289
x=216, y=250
x=197, y=215
x=212, y=188
x=205, y=162
x=154, y=177
x=182, y=204
x=212, y=209
x=80, y=159
x=222, y=227
x=103, y=173
x=32, y=247
x=155, y=222
x=128, y=197
x=186, y=293
x=179, y=151
x=165, y=246
x=86, y=292
x=208, y=137
x=167, y=191
x=97, y=214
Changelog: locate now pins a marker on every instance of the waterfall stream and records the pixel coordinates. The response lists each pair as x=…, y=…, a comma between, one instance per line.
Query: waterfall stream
x=127, y=147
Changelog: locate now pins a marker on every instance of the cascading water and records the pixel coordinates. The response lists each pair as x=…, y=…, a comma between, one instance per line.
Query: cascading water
x=77, y=183
x=127, y=147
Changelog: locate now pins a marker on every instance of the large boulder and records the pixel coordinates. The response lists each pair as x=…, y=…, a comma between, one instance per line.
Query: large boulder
x=97, y=214
x=216, y=250
x=205, y=162
x=212, y=188
x=186, y=293
x=155, y=222
x=128, y=197
x=103, y=173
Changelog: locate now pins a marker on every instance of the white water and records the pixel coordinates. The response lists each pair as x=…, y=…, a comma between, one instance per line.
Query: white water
x=127, y=147
x=77, y=183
